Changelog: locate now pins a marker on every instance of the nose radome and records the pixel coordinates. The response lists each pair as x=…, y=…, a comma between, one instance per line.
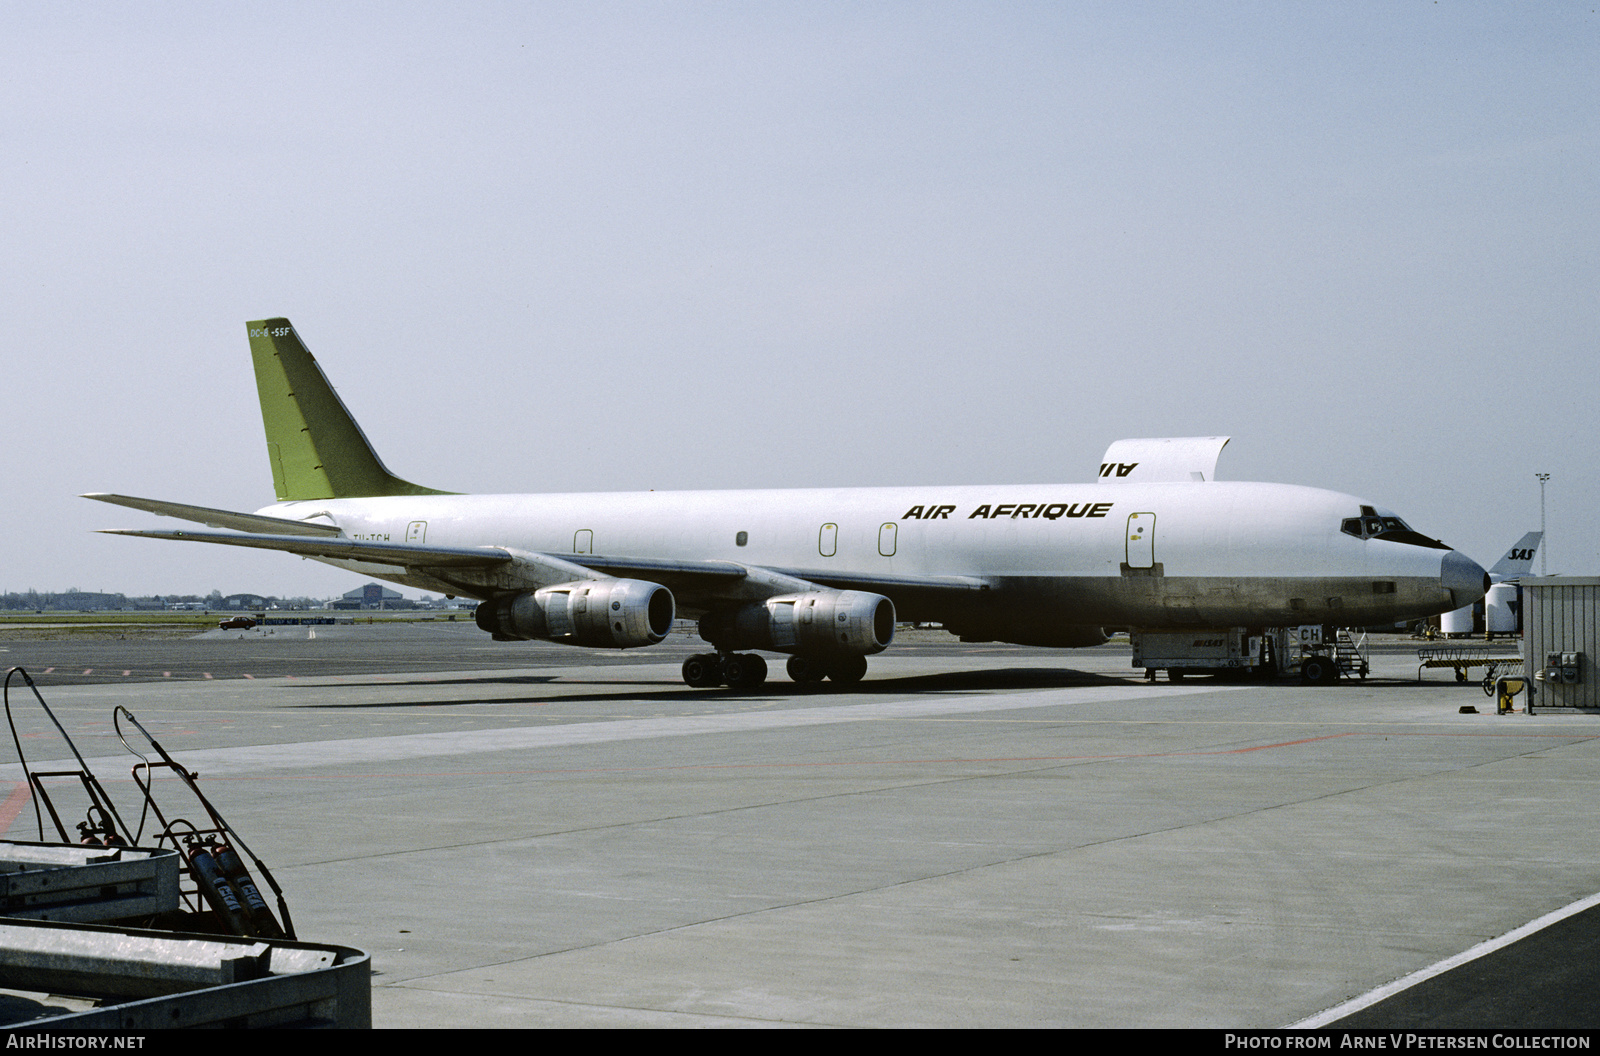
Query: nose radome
x=1463, y=577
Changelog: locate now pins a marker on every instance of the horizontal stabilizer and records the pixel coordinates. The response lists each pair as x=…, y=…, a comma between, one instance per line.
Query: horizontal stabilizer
x=377, y=553
x=240, y=522
x=1162, y=459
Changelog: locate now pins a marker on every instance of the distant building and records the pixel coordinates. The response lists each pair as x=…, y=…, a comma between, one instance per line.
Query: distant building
x=373, y=596
x=84, y=600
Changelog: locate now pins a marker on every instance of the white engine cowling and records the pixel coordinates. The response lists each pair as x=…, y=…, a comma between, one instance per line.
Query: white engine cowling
x=601, y=613
x=812, y=623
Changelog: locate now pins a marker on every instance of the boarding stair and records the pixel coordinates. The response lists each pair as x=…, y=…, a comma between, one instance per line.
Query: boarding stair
x=1351, y=654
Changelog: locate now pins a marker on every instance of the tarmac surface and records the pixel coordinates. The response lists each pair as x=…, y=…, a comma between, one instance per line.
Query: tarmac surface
x=525, y=835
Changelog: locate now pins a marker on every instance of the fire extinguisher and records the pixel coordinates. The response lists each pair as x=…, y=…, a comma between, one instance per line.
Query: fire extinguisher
x=215, y=887
x=265, y=924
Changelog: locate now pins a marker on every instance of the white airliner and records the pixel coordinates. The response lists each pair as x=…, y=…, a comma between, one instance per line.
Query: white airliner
x=823, y=575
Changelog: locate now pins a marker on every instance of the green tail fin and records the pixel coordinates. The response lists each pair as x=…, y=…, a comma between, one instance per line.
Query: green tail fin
x=317, y=450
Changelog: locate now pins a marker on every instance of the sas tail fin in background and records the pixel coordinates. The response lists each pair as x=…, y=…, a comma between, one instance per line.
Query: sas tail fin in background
x=317, y=450
x=1518, y=561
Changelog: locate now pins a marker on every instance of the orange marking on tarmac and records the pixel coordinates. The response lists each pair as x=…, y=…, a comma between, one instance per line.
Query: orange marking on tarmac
x=13, y=805
x=1279, y=744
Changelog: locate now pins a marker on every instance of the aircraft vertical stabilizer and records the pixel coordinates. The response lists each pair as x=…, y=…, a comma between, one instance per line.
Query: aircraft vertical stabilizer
x=1518, y=561
x=316, y=448
x=1166, y=458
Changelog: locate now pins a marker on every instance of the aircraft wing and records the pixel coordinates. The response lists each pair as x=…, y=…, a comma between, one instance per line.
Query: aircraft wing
x=728, y=571
x=698, y=584
x=243, y=522
x=891, y=586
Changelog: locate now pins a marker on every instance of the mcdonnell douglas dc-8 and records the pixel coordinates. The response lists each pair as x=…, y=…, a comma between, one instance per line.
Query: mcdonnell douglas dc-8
x=1154, y=543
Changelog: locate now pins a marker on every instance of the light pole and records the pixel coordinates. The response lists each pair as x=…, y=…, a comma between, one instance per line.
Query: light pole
x=1544, y=542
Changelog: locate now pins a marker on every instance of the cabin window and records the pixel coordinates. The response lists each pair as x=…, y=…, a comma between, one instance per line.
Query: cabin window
x=741, y=539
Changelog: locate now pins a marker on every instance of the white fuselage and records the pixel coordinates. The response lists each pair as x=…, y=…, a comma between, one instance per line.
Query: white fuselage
x=1153, y=554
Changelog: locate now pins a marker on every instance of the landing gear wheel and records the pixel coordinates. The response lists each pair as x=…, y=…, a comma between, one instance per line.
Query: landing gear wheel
x=703, y=670
x=847, y=670
x=744, y=670
x=1318, y=671
x=805, y=670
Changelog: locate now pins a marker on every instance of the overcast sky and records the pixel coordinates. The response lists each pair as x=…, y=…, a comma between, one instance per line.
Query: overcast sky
x=589, y=246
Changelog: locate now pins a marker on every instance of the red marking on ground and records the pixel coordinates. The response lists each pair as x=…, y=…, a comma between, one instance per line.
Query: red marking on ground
x=247, y=676
x=88, y=670
x=48, y=670
x=125, y=674
x=13, y=805
x=205, y=674
x=1280, y=744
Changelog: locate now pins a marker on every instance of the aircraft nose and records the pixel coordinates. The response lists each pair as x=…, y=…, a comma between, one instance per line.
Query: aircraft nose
x=1463, y=577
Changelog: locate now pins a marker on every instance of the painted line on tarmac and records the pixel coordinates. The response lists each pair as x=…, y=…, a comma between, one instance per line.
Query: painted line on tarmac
x=1482, y=949
x=13, y=805
x=358, y=750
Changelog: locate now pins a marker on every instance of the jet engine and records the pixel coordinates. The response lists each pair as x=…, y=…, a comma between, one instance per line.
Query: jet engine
x=603, y=613
x=813, y=623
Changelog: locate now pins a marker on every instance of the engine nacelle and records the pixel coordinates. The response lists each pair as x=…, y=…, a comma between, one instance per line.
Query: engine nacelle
x=812, y=623
x=600, y=613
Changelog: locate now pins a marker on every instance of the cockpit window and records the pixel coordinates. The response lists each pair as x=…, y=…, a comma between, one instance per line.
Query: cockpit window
x=1390, y=529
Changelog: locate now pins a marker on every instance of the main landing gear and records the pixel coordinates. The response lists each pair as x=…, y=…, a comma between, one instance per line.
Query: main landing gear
x=845, y=670
x=747, y=670
x=737, y=670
